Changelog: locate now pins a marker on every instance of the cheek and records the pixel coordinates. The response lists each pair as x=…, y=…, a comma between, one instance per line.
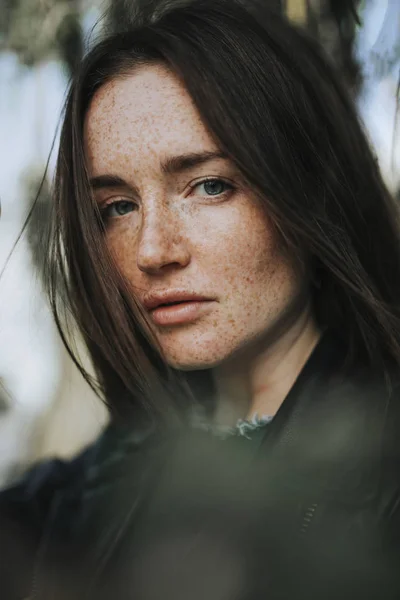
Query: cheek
x=246, y=255
x=121, y=243
x=259, y=280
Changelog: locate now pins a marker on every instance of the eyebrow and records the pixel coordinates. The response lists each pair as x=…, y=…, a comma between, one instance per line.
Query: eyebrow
x=184, y=162
x=107, y=181
x=169, y=166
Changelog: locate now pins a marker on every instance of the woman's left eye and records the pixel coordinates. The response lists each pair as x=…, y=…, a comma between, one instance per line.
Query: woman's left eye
x=214, y=187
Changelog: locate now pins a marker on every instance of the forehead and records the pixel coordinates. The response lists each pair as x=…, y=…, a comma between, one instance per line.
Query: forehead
x=148, y=112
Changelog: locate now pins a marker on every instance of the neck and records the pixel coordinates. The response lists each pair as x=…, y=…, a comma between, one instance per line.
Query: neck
x=258, y=381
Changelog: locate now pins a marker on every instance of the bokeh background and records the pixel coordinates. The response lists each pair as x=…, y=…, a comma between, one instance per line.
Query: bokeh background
x=46, y=408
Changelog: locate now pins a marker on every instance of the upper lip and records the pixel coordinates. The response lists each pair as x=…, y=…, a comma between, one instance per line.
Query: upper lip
x=154, y=299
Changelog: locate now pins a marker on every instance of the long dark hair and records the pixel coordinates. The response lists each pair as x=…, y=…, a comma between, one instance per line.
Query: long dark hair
x=275, y=106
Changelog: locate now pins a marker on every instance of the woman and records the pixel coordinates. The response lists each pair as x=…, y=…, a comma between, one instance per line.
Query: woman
x=223, y=239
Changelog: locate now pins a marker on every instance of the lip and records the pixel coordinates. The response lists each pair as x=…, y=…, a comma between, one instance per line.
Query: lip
x=190, y=306
x=178, y=314
x=156, y=299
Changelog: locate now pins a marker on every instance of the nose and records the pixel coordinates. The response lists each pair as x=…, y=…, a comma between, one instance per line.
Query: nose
x=162, y=243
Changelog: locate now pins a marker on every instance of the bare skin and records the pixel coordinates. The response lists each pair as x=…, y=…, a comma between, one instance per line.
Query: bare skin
x=167, y=228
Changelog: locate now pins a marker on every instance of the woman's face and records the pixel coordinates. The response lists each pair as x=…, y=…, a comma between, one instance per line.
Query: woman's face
x=181, y=222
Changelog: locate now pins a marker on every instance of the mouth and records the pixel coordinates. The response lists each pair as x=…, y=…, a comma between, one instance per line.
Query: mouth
x=176, y=307
x=176, y=303
x=179, y=312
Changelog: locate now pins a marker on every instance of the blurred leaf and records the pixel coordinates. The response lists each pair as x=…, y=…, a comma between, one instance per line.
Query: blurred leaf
x=70, y=42
x=6, y=9
x=344, y=10
x=334, y=24
x=39, y=29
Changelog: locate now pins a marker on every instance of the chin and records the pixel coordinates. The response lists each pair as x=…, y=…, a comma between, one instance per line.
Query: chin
x=197, y=352
x=196, y=359
x=192, y=365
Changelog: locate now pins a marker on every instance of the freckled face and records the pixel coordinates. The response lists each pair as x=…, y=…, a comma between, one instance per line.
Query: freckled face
x=194, y=227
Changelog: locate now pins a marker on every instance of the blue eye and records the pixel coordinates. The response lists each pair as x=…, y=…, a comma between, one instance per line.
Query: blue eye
x=215, y=187
x=118, y=208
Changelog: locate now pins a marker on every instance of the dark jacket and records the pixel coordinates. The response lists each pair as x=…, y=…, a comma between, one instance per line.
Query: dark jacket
x=309, y=507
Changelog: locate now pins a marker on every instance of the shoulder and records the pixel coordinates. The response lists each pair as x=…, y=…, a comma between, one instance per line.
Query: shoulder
x=25, y=508
x=28, y=501
x=53, y=500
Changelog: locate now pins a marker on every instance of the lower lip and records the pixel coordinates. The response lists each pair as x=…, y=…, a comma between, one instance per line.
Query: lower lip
x=177, y=314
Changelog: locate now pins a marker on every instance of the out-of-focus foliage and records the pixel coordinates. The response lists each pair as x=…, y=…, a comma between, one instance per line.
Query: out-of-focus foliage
x=386, y=52
x=334, y=23
x=5, y=18
x=40, y=29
